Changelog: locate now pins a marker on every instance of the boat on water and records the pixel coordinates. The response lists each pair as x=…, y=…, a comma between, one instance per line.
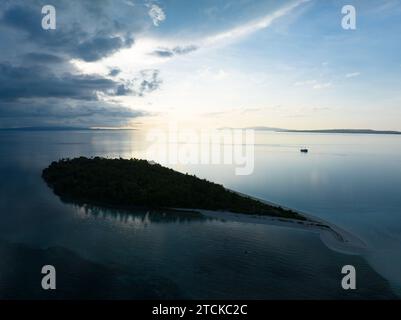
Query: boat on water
x=304, y=150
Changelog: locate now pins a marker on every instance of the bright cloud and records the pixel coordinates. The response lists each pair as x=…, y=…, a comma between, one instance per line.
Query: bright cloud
x=352, y=74
x=324, y=85
x=157, y=14
x=314, y=84
x=251, y=27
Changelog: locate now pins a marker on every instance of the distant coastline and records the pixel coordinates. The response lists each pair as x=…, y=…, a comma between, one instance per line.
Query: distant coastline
x=64, y=129
x=349, y=131
x=258, y=128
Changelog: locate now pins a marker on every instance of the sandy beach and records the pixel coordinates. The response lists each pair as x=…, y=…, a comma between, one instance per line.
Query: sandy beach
x=331, y=235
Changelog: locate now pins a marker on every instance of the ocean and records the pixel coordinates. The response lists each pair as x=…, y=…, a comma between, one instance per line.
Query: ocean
x=351, y=180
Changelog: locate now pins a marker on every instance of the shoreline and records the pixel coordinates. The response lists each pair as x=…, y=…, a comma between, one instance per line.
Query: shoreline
x=334, y=237
x=331, y=235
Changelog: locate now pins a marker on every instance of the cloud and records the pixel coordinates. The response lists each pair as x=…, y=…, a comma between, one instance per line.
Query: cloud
x=62, y=112
x=147, y=82
x=232, y=34
x=114, y=72
x=352, y=75
x=41, y=85
x=163, y=53
x=314, y=84
x=305, y=83
x=33, y=96
x=253, y=26
x=101, y=46
x=129, y=3
x=39, y=58
x=71, y=37
x=39, y=82
x=324, y=85
x=156, y=14
x=178, y=50
x=71, y=109
x=184, y=49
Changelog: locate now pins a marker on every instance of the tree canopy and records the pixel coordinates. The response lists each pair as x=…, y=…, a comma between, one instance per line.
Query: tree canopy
x=122, y=182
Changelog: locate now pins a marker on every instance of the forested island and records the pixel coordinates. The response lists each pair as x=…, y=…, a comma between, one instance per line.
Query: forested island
x=134, y=183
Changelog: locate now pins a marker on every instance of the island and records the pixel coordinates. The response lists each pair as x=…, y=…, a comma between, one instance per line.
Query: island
x=329, y=131
x=140, y=183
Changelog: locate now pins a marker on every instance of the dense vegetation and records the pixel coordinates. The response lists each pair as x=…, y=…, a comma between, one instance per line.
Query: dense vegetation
x=120, y=182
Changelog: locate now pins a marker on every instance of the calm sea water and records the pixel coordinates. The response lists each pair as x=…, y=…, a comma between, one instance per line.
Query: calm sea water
x=353, y=181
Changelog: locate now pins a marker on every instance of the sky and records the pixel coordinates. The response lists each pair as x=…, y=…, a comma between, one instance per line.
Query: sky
x=206, y=63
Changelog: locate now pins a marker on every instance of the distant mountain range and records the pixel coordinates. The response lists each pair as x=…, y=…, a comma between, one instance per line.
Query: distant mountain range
x=44, y=129
x=60, y=129
x=357, y=131
x=258, y=128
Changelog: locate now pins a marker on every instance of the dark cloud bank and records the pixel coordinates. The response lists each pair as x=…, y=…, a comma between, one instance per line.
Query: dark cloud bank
x=38, y=86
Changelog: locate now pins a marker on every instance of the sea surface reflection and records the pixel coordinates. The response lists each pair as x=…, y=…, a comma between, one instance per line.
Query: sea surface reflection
x=352, y=181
